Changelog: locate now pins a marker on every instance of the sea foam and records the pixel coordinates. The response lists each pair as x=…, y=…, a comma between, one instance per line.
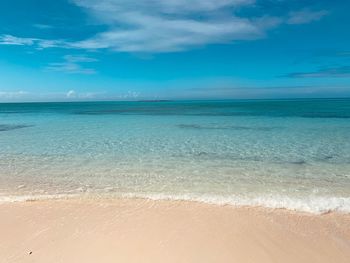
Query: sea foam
x=312, y=204
x=316, y=205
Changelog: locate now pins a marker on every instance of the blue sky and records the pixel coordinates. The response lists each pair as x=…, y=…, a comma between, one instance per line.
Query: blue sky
x=67, y=50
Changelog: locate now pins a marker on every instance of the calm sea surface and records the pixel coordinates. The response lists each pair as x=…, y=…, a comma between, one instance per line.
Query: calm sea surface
x=276, y=153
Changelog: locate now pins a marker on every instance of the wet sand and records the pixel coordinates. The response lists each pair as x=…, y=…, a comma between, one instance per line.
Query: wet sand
x=136, y=230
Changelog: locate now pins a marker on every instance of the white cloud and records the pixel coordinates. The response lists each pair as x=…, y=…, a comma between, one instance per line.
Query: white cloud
x=158, y=6
x=17, y=41
x=26, y=41
x=72, y=65
x=130, y=95
x=71, y=94
x=79, y=96
x=155, y=26
x=305, y=16
x=169, y=25
x=48, y=43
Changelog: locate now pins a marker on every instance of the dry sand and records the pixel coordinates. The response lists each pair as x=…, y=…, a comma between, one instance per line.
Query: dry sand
x=131, y=230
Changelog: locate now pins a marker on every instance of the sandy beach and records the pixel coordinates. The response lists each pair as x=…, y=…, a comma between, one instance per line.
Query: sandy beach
x=174, y=131
x=135, y=230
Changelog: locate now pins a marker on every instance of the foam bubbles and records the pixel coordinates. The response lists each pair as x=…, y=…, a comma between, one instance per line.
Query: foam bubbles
x=316, y=205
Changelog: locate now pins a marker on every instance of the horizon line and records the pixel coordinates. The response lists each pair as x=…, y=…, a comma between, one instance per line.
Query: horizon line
x=177, y=100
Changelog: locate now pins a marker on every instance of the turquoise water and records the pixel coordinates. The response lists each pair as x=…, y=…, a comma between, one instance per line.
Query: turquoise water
x=293, y=154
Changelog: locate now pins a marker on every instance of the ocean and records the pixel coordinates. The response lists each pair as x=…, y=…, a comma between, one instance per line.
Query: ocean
x=292, y=154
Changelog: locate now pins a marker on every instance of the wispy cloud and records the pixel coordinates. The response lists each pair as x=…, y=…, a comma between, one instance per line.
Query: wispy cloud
x=73, y=65
x=75, y=95
x=332, y=72
x=9, y=95
x=156, y=26
x=16, y=41
x=130, y=95
x=168, y=26
x=305, y=16
x=42, y=26
x=161, y=25
x=38, y=43
x=71, y=95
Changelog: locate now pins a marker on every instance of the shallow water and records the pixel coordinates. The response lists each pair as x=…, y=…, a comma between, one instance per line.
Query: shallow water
x=276, y=153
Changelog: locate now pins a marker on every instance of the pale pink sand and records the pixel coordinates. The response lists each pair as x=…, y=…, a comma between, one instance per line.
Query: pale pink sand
x=128, y=230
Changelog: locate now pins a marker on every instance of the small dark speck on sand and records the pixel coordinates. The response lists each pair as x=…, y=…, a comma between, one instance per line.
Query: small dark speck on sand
x=31, y=252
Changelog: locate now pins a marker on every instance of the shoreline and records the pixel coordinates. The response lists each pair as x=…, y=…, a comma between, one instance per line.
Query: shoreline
x=144, y=230
x=296, y=205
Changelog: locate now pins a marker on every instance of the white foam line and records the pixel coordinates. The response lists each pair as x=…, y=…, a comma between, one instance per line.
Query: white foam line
x=311, y=204
x=25, y=198
x=315, y=205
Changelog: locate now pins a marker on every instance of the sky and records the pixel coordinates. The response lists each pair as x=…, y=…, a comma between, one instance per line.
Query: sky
x=73, y=50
